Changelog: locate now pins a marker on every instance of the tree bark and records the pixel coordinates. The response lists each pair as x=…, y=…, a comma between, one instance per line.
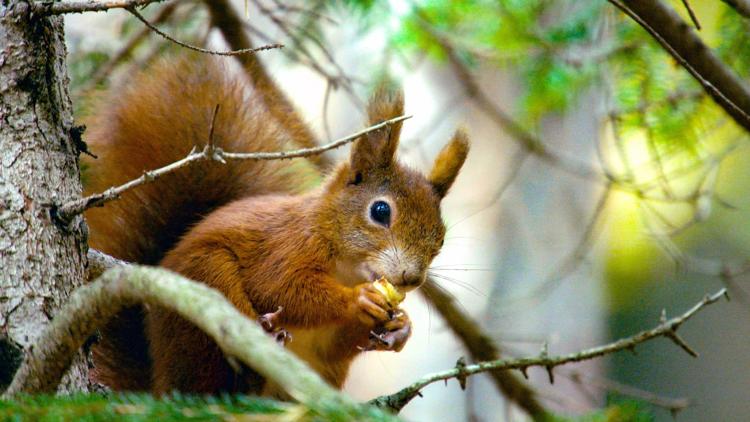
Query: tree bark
x=41, y=261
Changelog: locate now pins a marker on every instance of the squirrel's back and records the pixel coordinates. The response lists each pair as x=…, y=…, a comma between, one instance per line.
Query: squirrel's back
x=155, y=120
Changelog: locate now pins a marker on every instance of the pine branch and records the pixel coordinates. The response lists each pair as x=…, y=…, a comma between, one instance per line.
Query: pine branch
x=682, y=43
x=666, y=328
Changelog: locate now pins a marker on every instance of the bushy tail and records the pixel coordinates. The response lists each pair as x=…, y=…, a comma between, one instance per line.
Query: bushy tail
x=157, y=119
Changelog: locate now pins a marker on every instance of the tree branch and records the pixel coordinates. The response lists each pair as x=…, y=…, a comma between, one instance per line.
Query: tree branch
x=740, y=6
x=666, y=328
x=103, y=71
x=61, y=7
x=66, y=212
x=685, y=46
x=168, y=37
x=482, y=348
x=237, y=336
x=524, y=138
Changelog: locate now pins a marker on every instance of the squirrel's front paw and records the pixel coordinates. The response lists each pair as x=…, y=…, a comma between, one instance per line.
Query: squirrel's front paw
x=372, y=306
x=269, y=322
x=392, y=335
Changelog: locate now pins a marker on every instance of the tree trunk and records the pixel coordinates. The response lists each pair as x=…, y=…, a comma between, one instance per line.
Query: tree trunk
x=41, y=262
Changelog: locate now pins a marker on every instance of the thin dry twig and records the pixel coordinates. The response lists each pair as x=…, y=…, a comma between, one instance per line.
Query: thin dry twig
x=673, y=405
x=665, y=328
x=692, y=14
x=482, y=348
x=570, y=264
x=66, y=212
x=103, y=71
x=140, y=17
x=526, y=139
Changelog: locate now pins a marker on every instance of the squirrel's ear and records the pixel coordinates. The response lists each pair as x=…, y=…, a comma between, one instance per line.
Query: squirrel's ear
x=449, y=162
x=377, y=149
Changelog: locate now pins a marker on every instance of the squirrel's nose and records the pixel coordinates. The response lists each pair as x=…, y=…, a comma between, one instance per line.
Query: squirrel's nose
x=411, y=280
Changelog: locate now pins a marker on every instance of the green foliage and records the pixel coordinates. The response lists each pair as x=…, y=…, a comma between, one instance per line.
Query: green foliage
x=178, y=407
x=626, y=411
x=558, y=50
x=135, y=407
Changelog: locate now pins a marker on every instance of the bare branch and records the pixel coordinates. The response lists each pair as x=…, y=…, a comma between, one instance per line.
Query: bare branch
x=103, y=71
x=140, y=17
x=692, y=14
x=67, y=211
x=482, y=348
x=666, y=328
x=62, y=7
x=674, y=405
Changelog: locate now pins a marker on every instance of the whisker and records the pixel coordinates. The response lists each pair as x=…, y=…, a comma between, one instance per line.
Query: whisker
x=395, y=249
x=449, y=294
x=462, y=269
x=429, y=316
x=460, y=283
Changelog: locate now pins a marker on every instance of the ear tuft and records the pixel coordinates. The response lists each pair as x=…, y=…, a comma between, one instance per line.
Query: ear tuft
x=386, y=102
x=378, y=148
x=449, y=162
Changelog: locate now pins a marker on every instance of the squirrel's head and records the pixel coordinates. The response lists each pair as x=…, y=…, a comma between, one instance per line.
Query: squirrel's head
x=385, y=216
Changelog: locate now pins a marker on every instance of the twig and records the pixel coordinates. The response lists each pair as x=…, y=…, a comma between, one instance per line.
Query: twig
x=61, y=7
x=571, y=263
x=199, y=49
x=526, y=139
x=103, y=71
x=67, y=211
x=666, y=328
x=692, y=14
x=482, y=348
x=674, y=405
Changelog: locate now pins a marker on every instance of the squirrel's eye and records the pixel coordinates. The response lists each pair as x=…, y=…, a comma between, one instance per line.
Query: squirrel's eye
x=380, y=212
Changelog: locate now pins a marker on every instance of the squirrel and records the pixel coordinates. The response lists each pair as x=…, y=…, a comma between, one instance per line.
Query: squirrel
x=300, y=261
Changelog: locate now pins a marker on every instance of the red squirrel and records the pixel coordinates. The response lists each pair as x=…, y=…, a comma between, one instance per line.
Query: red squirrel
x=247, y=229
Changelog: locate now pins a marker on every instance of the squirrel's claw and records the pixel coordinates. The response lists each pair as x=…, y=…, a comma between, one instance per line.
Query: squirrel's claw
x=392, y=336
x=269, y=323
x=282, y=337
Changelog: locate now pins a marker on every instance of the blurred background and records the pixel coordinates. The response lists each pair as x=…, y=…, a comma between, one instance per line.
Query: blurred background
x=603, y=185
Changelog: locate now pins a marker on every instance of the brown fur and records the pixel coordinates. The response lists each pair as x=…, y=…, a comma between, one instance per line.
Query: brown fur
x=263, y=247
